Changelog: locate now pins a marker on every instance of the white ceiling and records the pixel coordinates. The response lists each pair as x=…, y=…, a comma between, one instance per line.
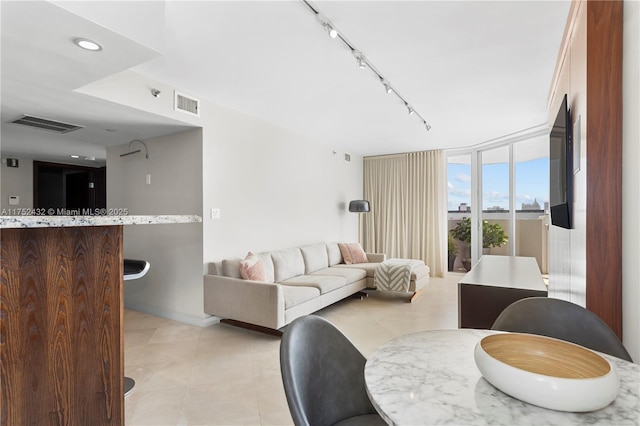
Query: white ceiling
x=475, y=70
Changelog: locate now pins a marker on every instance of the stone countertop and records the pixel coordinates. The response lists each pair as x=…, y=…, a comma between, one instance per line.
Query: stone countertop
x=516, y=272
x=7, y=222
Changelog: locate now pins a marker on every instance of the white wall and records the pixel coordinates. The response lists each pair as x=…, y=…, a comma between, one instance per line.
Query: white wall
x=173, y=286
x=274, y=189
x=630, y=179
x=567, y=248
x=16, y=181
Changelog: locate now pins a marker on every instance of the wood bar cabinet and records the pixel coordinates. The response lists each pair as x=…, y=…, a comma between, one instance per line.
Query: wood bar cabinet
x=61, y=319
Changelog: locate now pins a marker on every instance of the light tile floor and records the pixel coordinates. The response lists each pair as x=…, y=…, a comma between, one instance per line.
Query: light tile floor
x=223, y=375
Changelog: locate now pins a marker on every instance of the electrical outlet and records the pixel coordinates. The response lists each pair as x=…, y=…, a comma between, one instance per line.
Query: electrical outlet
x=215, y=213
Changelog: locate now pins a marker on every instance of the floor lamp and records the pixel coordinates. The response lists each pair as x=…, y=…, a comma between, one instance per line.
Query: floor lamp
x=359, y=206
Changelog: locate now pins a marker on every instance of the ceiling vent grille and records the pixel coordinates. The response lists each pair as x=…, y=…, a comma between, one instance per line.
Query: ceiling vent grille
x=44, y=124
x=187, y=104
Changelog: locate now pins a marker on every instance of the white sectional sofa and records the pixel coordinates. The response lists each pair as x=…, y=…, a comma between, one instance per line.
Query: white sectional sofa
x=298, y=281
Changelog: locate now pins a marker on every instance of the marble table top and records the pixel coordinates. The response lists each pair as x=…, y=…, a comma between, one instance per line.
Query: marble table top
x=45, y=221
x=431, y=378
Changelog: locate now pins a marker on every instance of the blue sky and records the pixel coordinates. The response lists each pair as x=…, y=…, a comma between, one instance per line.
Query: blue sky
x=532, y=182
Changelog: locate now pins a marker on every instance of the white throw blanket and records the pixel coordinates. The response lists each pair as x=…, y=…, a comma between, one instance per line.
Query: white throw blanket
x=395, y=274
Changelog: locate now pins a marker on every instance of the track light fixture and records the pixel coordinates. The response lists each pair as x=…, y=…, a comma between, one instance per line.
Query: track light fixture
x=328, y=27
x=362, y=61
x=387, y=86
x=333, y=33
x=409, y=109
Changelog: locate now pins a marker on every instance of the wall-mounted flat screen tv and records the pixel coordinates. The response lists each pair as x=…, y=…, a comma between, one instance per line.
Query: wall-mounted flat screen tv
x=561, y=168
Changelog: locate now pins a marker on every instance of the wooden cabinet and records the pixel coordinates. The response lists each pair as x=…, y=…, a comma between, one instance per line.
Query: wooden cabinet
x=61, y=326
x=494, y=283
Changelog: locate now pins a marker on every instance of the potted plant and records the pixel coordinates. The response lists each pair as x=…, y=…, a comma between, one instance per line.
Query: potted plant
x=492, y=236
x=462, y=232
x=452, y=251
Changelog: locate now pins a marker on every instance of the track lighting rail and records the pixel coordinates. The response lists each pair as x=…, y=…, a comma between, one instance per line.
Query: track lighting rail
x=362, y=60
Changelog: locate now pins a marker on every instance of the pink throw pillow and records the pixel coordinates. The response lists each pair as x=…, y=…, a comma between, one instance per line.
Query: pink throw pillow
x=251, y=268
x=352, y=253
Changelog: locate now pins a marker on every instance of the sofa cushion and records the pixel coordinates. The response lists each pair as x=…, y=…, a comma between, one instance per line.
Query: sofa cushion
x=324, y=283
x=215, y=268
x=419, y=272
x=334, y=254
x=287, y=263
x=295, y=295
x=267, y=264
x=350, y=274
x=352, y=253
x=231, y=268
x=251, y=268
x=369, y=267
x=315, y=257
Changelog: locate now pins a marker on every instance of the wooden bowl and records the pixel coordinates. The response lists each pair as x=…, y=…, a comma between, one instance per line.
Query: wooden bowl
x=547, y=372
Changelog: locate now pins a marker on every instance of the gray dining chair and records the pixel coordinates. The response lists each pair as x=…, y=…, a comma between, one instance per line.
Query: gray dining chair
x=323, y=376
x=562, y=320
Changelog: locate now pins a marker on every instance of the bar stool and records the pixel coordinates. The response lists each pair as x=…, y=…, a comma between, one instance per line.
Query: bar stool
x=133, y=269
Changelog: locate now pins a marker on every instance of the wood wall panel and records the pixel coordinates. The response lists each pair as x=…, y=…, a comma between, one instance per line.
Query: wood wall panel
x=604, y=161
x=61, y=326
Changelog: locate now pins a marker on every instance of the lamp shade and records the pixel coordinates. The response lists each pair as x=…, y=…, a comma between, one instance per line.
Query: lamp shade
x=359, y=206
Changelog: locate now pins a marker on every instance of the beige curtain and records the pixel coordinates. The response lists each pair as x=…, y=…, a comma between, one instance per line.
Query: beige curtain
x=408, y=198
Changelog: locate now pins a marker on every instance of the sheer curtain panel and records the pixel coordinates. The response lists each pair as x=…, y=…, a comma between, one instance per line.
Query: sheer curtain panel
x=408, y=214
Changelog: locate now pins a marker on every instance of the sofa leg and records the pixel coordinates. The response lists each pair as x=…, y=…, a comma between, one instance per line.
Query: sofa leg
x=252, y=327
x=360, y=295
x=415, y=295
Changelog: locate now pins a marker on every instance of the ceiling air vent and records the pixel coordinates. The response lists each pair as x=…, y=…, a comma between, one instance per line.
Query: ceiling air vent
x=44, y=124
x=347, y=157
x=186, y=104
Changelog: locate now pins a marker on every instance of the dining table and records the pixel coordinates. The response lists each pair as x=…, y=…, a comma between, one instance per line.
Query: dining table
x=430, y=377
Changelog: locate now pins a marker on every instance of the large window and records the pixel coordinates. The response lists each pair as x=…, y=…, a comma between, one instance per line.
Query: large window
x=459, y=209
x=531, y=158
x=459, y=183
x=504, y=192
x=496, y=201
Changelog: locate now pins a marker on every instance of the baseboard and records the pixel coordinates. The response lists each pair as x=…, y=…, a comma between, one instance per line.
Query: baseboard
x=175, y=316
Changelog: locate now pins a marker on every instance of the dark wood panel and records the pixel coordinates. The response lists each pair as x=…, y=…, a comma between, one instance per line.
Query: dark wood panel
x=479, y=305
x=61, y=324
x=604, y=161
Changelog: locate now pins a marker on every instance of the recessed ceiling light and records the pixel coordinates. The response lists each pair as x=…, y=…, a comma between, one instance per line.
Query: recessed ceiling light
x=87, y=44
x=75, y=156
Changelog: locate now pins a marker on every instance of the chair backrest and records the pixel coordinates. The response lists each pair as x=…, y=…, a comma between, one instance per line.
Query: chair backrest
x=322, y=373
x=562, y=320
